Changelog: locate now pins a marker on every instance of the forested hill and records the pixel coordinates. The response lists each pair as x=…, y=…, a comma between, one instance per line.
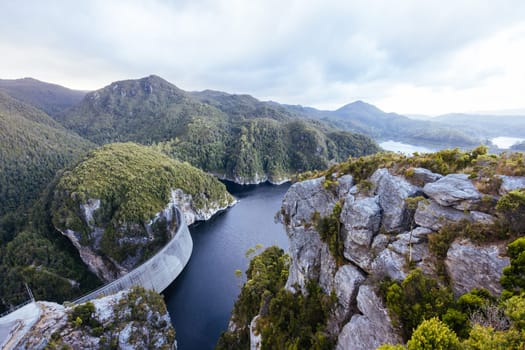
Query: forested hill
x=236, y=137
x=33, y=147
x=369, y=120
x=51, y=98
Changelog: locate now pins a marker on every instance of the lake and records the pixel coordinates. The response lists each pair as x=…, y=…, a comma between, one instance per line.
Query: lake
x=201, y=299
x=404, y=148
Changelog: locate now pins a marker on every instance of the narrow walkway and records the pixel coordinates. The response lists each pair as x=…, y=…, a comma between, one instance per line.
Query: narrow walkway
x=17, y=323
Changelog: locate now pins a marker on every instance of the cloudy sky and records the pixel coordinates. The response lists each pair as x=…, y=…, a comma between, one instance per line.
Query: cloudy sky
x=405, y=56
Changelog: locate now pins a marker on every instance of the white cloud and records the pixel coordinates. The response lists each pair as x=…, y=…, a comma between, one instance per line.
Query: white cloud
x=406, y=56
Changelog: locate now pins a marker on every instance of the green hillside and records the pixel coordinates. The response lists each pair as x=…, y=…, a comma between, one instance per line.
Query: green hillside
x=237, y=137
x=50, y=98
x=133, y=183
x=33, y=147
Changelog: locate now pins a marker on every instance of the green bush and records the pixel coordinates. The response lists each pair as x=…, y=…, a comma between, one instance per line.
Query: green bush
x=415, y=299
x=329, y=228
x=513, y=278
x=512, y=207
x=432, y=334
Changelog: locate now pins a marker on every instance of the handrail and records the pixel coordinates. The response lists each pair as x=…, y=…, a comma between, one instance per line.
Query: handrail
x=14, y=308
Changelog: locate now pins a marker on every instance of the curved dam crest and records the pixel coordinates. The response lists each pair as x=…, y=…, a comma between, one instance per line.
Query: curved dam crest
x=159, y=271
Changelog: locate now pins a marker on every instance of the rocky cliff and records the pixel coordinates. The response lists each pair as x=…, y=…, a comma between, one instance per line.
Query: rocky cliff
x=117, y=206
x=132, y=319
x=350, y=233
x=380, y=237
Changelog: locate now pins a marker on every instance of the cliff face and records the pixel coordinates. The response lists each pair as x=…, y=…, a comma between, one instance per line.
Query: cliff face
x=109, y=269
x=132, y=319
x=117, y=205
x=383, y=231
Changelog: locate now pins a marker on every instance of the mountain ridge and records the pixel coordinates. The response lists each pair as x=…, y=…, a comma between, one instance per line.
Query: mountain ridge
x=51, y=98
x=236, y=136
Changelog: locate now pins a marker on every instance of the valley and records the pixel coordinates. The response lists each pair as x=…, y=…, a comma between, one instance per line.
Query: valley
x=90, y=181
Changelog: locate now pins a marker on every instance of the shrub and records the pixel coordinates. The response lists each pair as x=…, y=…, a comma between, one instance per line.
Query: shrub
x=417, y=298
x=513, y=279
x=329, y=229
x=432, y=334
x=512, y=207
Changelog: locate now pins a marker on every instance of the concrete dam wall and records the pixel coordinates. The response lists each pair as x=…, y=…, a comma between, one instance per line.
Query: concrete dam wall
x=159, y=271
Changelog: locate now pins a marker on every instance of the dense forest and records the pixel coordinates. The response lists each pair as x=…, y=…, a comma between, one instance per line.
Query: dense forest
x=235, y=137
x=132, y=183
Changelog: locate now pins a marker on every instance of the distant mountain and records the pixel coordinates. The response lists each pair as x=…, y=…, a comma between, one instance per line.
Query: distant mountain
x=486, y=125
x=234, y=136
x=518, y=147
x=367, y=119
x=51, y=98
x=33, y=147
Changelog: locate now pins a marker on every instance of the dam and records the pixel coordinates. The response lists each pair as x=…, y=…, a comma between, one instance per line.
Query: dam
x=157, y=273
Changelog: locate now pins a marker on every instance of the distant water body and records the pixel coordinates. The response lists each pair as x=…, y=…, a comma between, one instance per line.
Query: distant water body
x=505, y=142
x=404, y=148
x=201, y=299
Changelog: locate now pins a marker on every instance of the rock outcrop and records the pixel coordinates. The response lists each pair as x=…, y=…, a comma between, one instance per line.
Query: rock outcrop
x=511, y=183
x=383, y=237
x=310, y=256
x=392, y=192
x=454, y=190
x=371, y=327
x=473, y=266
x=135, y=319
x=361, y=218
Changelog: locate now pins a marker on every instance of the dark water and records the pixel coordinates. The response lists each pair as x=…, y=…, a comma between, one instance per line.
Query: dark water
x=201, y=298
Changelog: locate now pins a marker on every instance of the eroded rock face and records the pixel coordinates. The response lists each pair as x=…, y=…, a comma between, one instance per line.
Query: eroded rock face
x=392, y=192
x=310, y=260
x=454, y=190
x=108, y=269
x=191, y=212
x=431, y=215
x=310, y=256
x=305, y=198
x=381, y=240
x=344, y=188
x=255, y=337
x=132, y=332
x=361, y=219
x=347, y=281
x=473, y=266
x=424, y=176
x=511, y=183
x=370, y=329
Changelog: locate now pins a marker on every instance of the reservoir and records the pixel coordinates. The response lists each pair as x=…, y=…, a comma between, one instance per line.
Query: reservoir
x=200, y=300
x=404, y=148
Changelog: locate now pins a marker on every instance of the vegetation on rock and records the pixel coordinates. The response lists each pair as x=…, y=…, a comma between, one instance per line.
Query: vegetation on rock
x=138, y=319
x=133, y=183
x=286, y=320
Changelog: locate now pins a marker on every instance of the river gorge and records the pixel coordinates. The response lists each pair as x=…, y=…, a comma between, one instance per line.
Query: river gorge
x=200, y=300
